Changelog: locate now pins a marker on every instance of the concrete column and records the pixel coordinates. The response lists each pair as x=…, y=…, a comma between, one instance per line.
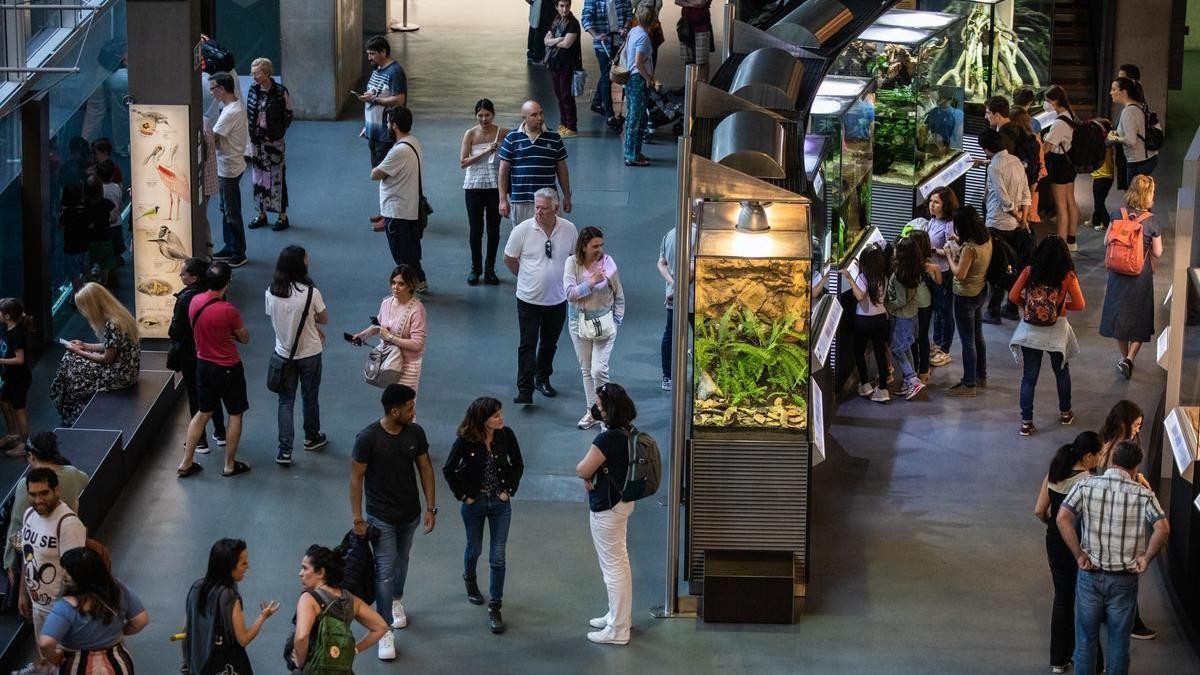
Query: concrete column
x=322, y=54
x=163, y=71
x=375, y=17
x=1141, y=38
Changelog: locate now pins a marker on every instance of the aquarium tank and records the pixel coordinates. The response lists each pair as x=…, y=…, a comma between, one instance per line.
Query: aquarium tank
x=844, y=110
x=1006, y=44
x=918, y=122
x=752, y=313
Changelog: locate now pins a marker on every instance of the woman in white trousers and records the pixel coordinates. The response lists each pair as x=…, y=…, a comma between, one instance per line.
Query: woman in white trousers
x=596, y=309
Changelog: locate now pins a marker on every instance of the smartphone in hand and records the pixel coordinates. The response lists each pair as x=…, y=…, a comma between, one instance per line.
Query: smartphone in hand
x=352, y=340
x=374, y=321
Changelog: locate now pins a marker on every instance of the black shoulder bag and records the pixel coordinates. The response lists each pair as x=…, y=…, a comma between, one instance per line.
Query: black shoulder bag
x=277, y=364
x=424, y=210
x=226, y=655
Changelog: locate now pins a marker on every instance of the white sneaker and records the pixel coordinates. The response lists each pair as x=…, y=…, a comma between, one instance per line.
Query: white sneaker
x=666, y=384
x=587, y=421
x=865, y=390
x=606, y=637
x=399, y=618
x=600, y=622
x=387, y=647
x=1073, y=247
x=939, y=358
x=881, y=395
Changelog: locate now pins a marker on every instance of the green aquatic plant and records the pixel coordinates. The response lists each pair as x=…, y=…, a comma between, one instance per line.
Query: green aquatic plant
x=751, y=361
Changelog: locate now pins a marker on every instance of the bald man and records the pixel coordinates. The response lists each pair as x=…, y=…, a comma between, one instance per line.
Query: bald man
x=531, y=158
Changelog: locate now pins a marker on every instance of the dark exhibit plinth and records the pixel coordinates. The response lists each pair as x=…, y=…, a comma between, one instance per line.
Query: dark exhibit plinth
x=137, y=412
x=748, y=587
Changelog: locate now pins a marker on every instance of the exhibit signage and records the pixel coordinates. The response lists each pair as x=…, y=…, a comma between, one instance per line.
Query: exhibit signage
x=161, y=214
x=831, y=317
x=1164, y=346
x=1183, y=440
x=817, y=421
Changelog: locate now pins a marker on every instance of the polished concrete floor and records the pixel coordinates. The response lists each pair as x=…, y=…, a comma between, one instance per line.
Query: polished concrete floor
x=926, y=556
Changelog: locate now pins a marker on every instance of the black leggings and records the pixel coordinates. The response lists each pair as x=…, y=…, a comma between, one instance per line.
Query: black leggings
x=920, y=348
x=873, y=329
x=483, y=205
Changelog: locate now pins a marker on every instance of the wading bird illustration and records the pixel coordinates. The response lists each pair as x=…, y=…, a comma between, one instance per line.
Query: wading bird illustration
x=170, y=246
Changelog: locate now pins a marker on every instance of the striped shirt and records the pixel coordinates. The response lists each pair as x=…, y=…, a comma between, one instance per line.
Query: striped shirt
x=386, y=81
x=1117, y=514
x=533, y=163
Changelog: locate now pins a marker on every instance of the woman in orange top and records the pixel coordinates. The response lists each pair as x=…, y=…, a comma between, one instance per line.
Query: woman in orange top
x=1045, y=291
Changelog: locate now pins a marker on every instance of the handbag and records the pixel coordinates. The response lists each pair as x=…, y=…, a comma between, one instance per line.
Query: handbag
x=578, y=83
x=424, y=210
x=227, y=656
x=599, y=327
x=384, y=361
x=277, y=363
x=618, y=73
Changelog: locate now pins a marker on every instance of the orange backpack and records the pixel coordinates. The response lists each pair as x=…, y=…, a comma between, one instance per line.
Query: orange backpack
x=1126, y=251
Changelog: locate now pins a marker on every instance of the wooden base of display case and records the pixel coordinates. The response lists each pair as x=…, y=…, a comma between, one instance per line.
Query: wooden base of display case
x=748, y=587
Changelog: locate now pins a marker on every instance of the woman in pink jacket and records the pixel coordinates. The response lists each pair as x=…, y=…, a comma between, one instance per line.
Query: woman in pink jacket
x=402, y=326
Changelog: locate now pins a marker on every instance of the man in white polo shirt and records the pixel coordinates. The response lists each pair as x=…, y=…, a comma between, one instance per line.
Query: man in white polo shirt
x=537, y=252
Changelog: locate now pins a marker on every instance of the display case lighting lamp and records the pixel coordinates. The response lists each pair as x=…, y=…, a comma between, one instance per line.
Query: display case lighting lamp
x=907, y=37
x=824, y=105
x=752, y=218
x=911, y=19
x=844, y=87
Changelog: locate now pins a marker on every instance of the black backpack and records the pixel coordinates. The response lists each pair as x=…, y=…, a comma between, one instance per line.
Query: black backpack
x=1088, y=146
x=1000, y=270
x=1029, y=151
x=1154, y=138
x=359, y=563
x=215, y=58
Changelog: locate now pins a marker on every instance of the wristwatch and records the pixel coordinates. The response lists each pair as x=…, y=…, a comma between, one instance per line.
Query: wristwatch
x=433, y=510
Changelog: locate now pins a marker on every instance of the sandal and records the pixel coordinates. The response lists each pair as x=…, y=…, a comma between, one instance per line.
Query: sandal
x=10, y=441
x=238, y=467
x=192, y=470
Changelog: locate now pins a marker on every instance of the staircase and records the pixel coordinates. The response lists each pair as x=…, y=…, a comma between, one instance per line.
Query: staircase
x=1073, y=56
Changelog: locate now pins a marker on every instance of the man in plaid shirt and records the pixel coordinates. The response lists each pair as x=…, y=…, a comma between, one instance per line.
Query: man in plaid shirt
x=1116, y=510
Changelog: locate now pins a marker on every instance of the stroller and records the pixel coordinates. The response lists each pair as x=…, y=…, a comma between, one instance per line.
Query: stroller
x=665, y=107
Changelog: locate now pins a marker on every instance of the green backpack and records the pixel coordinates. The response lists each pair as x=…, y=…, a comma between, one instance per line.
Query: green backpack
x=332, y=651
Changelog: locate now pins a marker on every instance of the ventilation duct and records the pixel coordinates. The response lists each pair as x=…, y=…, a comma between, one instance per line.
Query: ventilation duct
x=769, y=77
x=750, y=142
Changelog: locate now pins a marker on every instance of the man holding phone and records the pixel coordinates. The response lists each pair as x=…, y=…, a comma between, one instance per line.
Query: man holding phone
x=386, y=88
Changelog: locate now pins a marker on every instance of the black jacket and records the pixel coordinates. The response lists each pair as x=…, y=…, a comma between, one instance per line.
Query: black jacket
x=180, y=330
x=464, y=466
x=279, y=112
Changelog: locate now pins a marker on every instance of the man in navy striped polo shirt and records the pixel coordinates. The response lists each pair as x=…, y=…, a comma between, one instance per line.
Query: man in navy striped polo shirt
x=531, y=158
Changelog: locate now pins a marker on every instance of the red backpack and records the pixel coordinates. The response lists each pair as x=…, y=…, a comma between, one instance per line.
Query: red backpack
x=1043, y=304
x=1126, y=251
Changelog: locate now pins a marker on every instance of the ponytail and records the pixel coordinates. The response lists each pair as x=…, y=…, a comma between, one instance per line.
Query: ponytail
x=1086, y=443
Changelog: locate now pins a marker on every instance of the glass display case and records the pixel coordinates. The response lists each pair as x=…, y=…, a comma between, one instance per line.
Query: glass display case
x=751, y=317
x=918, y=122
x=1006, y=44
x=844, y=111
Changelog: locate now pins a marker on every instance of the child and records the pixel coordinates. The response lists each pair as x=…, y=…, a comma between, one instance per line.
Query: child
x=903, y=298
x=931, y=279
x=1102, y=180
x=868, y=282
x=101, y=151
x=17, y=377
x=112, y=192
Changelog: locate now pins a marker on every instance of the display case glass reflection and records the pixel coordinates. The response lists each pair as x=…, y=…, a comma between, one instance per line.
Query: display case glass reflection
x=918, y=117
x=1006, y=44
x=752, y=313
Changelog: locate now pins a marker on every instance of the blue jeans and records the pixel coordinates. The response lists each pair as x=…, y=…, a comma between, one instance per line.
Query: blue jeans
x=635, y=117
x=306, y=375
x=234, y=232
x=498, y=515
x=968, y=316
x=1032, y=360
x=667, y=343
x=603, y=95
x=903, y=335
x=943, y=312
x=391, y=562
x=1110, y=599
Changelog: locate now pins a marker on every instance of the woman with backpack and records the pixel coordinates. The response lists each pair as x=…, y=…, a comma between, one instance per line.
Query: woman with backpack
x=969, y=256
x=904, y=291
x=1045, y=290
x=870, y=320
x=484, y=471
x=1132, y=131
x=603, y=471
x=1059, y=167
x=1133, y=242
x=322, y=640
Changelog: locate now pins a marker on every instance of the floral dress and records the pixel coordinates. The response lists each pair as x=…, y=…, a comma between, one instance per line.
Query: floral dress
x=78, y=378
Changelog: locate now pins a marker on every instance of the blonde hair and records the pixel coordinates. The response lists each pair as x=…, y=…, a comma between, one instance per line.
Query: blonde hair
x=264, y=64
x=645, y=15
x=1140, y=194
x=99, y=307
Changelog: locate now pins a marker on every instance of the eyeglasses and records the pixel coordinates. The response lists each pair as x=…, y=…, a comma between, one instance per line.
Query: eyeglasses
x=547, y=248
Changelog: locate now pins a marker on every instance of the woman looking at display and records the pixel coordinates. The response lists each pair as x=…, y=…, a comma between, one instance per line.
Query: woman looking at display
x=1072, y=463
x=1130, y=133
x=401, y=325
x=478, y=161
x=1057, y=142
x=593, y=292
x=602, y=471
x=1045, y=290
x=1128, y=313
x=870, y=320
x=484, y=471
x=968, y=258
x=89, y=367
x=903, y=292
x=321, y=575
x=942, y=205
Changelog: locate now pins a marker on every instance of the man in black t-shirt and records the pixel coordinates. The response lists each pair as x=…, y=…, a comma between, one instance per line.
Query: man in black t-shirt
x=387, y=456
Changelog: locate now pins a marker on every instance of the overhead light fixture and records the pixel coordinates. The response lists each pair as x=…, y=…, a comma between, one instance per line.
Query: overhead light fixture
x=753, y=217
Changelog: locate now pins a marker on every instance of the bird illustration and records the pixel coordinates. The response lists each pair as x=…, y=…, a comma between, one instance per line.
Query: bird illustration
x=148, y=122
x=155, y=154
x=170, y=246
x=148, y=212
x=177, y=184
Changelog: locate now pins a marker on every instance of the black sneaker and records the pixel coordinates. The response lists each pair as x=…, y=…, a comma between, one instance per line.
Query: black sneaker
x=281, y=225
x=284, y=458
x=1141, y=631
x=473, y=279
x=223, y=254
x=1125, y=367
x=473, y=595
x=524, y=398
x=490, y=278
x=220, y=440
x=989, y=318
x=202, y=446
x=237, y=261
x=316, y=442
x=495, y=621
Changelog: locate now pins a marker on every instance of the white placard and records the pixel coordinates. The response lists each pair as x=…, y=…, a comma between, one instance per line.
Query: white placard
x=876, y=237
x=1197, y=502
x=1183, y=440
x=1164, y=344
x=833, y=317
x=161, y=214
x=1170, y=292
x=816, y=422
